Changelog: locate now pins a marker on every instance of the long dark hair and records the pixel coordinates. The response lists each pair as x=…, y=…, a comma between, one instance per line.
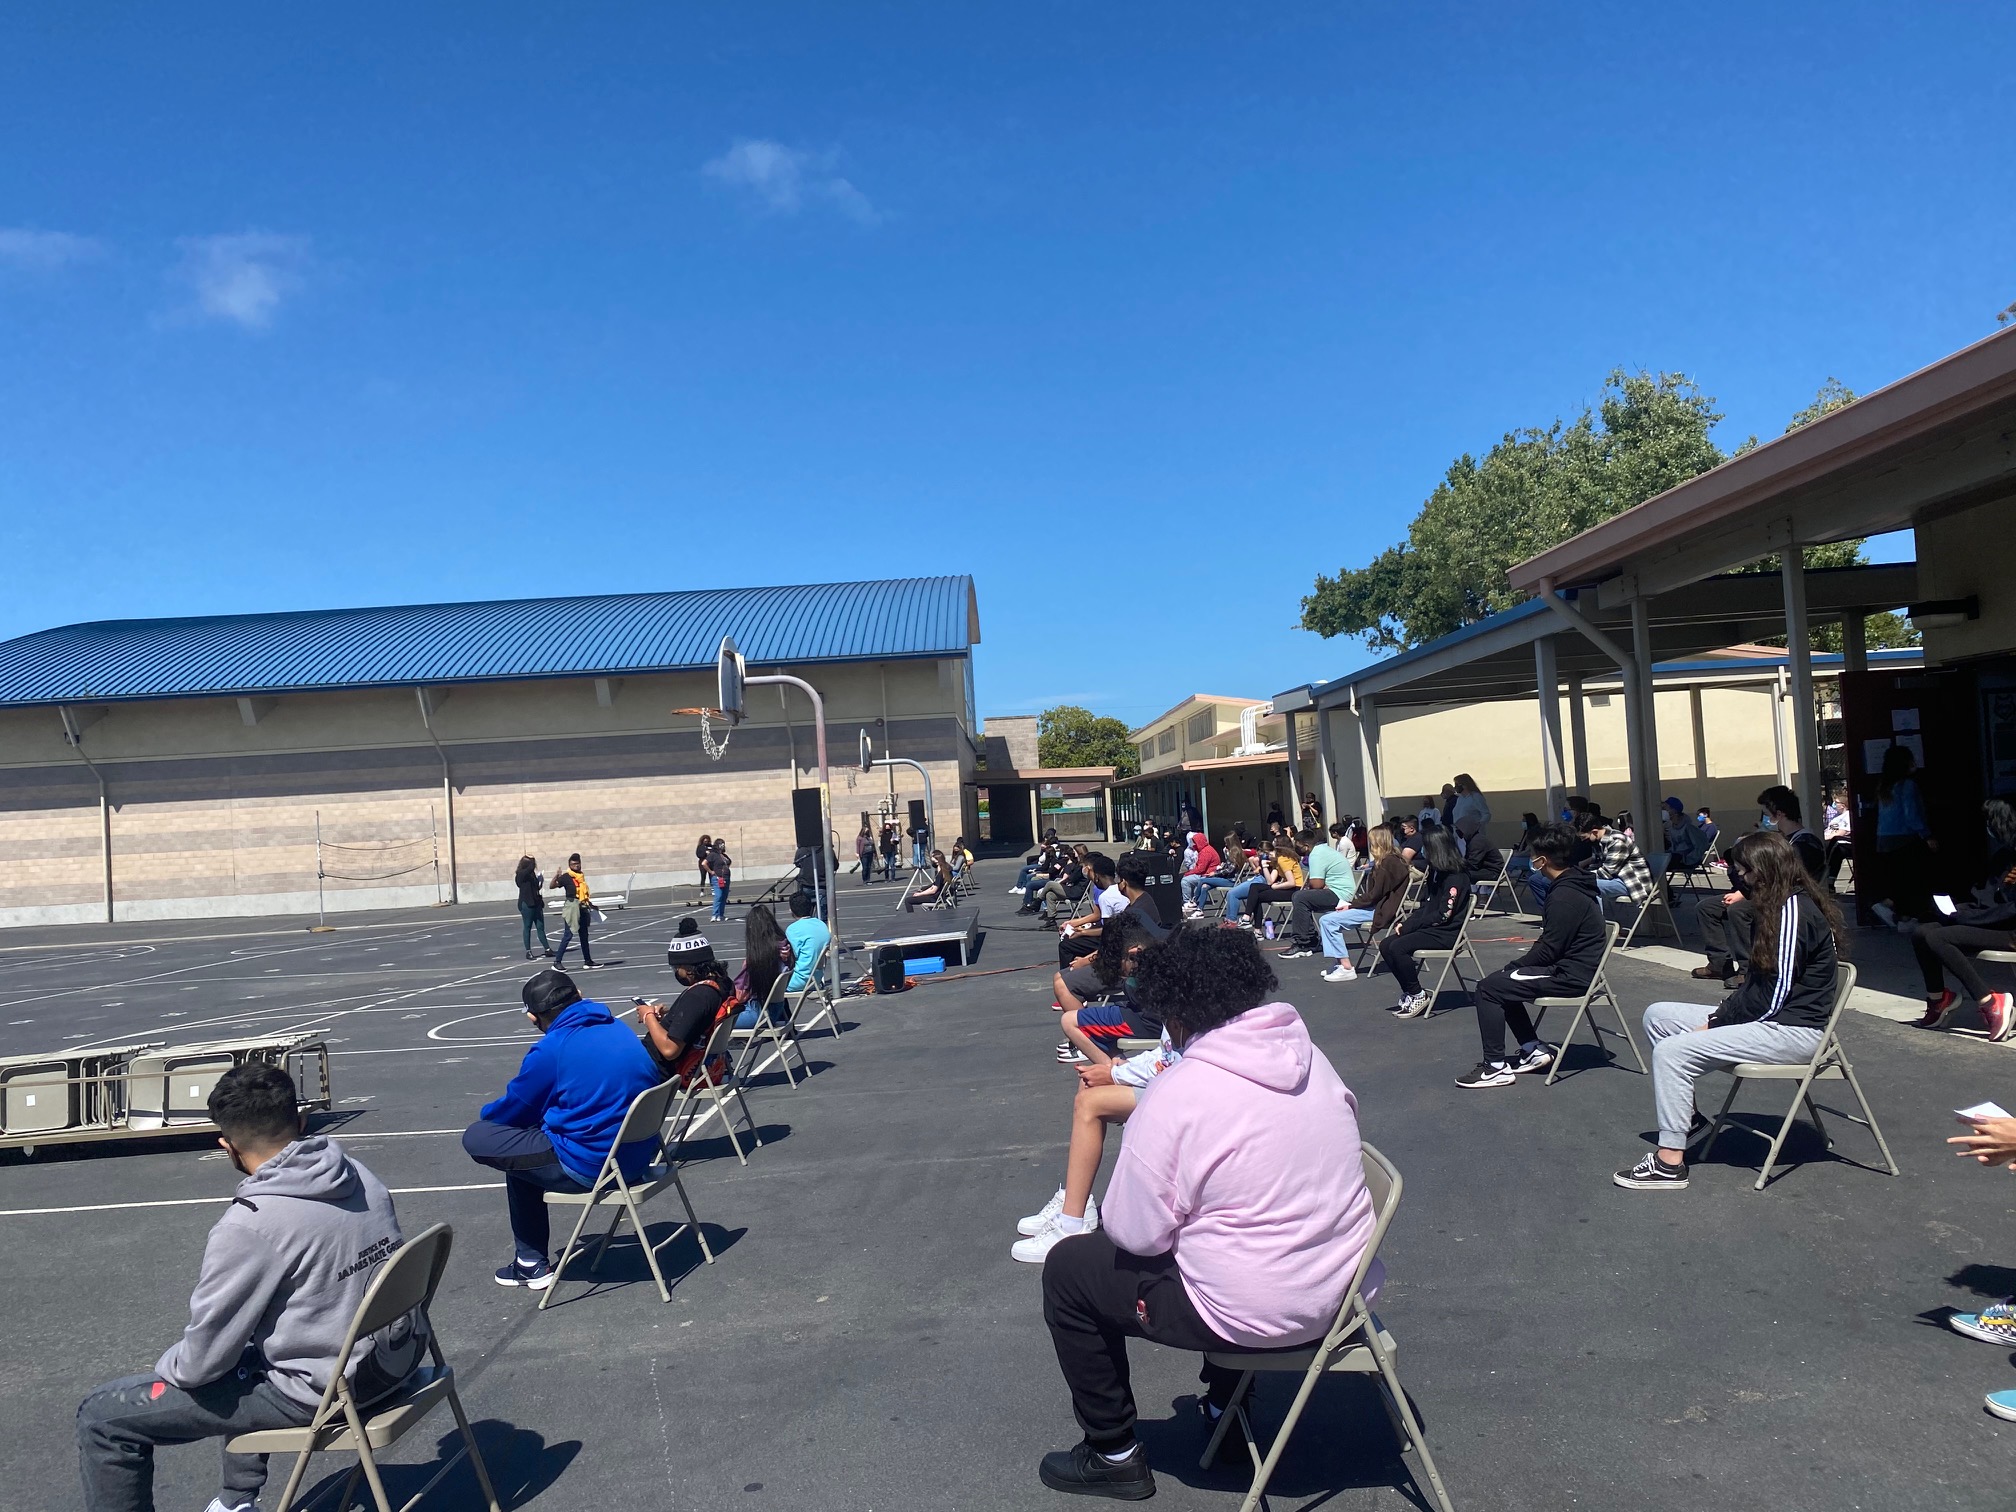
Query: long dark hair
x=1775, y=873
x=763, y=940
x=1898, y=764
x=527, y=870
x=1443, y=854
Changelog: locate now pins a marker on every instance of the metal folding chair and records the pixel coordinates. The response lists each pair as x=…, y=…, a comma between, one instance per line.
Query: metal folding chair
x=816, y=986
x=689, y=1116
x=1357, y=1344
x=1829, y=1063
x=1585, y=1007
x=405, y=1284
x=1656, y=864
x=777, y=1033
x=613, y=1190
x=1450, y=956
x=1486, y=893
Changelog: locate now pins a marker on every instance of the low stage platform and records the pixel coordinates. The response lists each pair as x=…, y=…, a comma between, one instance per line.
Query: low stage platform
x=929, y=932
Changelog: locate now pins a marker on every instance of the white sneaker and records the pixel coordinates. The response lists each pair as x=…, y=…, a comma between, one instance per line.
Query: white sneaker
x=217, y=1504
x=1886, y=913
x=1342, y=972
x=1038, y=1221
x=1031, y=1251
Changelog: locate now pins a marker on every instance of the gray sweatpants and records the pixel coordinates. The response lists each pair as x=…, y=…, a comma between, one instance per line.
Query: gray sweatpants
x=1682, y=1050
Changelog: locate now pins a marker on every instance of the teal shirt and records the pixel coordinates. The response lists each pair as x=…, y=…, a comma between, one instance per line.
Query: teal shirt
x=808, y=939
x=1332, y=868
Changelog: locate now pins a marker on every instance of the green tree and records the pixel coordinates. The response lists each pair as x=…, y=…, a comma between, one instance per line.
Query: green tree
x=1880, y=631
x=1532, y=490
x=1068, y=736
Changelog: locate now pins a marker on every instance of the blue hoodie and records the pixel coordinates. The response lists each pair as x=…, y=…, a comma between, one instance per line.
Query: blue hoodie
x=576, y=1083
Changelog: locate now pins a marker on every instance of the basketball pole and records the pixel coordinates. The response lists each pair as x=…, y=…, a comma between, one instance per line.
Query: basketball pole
x=780, y=679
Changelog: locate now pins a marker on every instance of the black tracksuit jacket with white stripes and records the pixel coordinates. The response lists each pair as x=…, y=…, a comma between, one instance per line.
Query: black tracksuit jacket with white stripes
x=1798, y=990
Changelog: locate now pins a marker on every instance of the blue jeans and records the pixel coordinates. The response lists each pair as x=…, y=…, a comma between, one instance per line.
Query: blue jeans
x=917, y=856
x=568, y=934
x=1611, y=887
x=531, y=1170
x=1023, y=880
x=1607, y=887
x=720, y=897
x=1194, y=888
x=1332, y=925
x=1235, y=900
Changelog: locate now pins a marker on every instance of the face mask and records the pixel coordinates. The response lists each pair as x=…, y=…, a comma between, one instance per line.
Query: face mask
x=1129, y=980
x=1764, y=821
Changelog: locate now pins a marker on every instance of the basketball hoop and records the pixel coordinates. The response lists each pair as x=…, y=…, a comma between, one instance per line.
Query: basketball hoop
x=729, y=672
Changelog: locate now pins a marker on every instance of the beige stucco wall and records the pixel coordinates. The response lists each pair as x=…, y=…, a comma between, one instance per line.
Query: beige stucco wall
x=212, y=816
x=1971, y=552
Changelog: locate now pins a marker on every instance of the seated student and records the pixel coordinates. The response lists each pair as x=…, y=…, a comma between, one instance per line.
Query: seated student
x=1063, y=891
x=942, y=887
x=1331, y=883
x=1236, y=1212
x=1107, y=1094
x=1091, y=1033
x=1408, y=839
x=1561, y=963
x=1947, y=945
x=677, y=1036
x=1080, y=937
x=1839, y=837
x=1614, y=860
x=1229, y=866
x=1728, y=921
x=807, y=938
x=1520, y=863
x=1777, y=1016
x=284, y=1269
x=1375, y=903
x=1686, y=845
x=1051, y=865
x=1778, y=809
x=764, y=952
x=1075, y=983
x=1705, y=817
x=1276, y=879
x=1445, y=904
x=552, y=1128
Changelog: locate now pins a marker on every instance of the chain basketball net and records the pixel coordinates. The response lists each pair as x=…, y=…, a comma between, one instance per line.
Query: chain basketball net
x=715, y=749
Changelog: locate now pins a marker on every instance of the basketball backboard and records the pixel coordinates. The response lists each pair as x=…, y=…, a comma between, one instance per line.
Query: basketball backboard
x=867, y=753
x=731, y=671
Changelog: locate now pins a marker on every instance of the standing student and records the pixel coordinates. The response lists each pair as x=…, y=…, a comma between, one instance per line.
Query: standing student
x=1331, y=884
x=720, y=873
x=1776, y=1017
x=1904, y=843
x=864, y=854
x=532, y=905
x=892, y=847
x=1469, y=815
x=920, y=842
x=1947, y=946
x=701, y=849
x=576, y=912
x=1561, y=963
x=1435, y=925
x=1312, y=813
x=284, y=1269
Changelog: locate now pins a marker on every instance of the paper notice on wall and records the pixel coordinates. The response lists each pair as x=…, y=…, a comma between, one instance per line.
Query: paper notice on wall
x=1873, y=752
x=1915, y=744
x=1904, y=719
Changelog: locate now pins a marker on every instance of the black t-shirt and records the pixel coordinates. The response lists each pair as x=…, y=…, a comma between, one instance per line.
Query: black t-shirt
x=1143, y=911
x=688, y=1019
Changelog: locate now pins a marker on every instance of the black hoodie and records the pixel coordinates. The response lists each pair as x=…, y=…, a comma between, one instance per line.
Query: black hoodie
x=1570, y=946
x=1797, y=990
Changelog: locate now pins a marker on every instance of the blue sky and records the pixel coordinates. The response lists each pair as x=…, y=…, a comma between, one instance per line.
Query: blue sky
x=1156, y=309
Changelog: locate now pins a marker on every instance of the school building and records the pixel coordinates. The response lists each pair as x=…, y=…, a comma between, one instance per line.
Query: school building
x=180, y=768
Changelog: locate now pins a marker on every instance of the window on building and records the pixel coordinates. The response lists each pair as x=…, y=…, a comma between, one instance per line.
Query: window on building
x=1202, y=723
x=1147, y=749
x=1166, y=741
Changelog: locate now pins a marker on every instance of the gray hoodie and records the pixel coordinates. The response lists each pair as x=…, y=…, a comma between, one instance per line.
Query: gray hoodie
x=283, y=1272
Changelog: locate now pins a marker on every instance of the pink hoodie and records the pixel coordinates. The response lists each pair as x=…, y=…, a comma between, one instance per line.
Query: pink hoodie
x=1243, y=1158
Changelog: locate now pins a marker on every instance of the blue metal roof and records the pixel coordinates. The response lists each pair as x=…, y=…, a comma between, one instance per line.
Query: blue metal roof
x=500, y=640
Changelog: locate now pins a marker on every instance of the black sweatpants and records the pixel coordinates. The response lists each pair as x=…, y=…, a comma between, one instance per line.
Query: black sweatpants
x=1726, y=931
x=1303, y=908
x=1501, y=1005
x=1944, y=949
x=1397, y=951
x=1071, y=949
x=1096, y=1297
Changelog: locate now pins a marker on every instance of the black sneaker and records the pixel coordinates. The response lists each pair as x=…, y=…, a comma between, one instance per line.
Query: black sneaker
x=1652, y=1174
x=1487, y=1074
x=1295, y=953
x=535, y=1277
x=1084, y=1471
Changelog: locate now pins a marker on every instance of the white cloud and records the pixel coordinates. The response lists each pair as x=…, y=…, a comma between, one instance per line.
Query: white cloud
x=44, y=251
x=784, y=179
x=241, y=278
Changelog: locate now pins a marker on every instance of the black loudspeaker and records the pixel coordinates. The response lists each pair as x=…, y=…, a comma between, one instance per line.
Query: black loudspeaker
x=888, y=967
x=806, y=828
x=917, y=813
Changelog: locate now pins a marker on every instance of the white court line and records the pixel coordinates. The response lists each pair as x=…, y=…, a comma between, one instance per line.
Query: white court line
x=394, y=1134
x=116, y=1207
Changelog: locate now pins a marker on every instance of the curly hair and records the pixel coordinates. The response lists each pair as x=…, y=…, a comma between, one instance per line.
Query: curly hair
x=1201, y=976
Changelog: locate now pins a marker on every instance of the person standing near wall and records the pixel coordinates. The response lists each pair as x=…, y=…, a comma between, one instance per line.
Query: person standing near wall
x=720, y=872
x=702, y=848
x=575, y=913
x=864, y=853
x=532, y=905
x=1904, y=843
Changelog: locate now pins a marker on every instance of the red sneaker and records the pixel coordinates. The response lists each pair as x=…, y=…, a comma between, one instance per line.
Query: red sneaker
x=1938, y=1012
x=1999, y=1014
